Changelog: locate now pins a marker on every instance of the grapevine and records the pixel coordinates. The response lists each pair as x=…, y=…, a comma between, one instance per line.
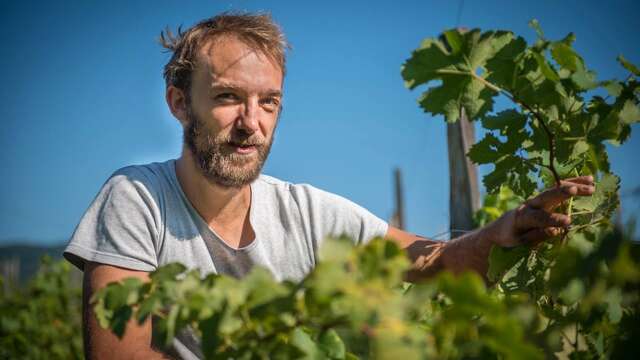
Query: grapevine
x=42, y=320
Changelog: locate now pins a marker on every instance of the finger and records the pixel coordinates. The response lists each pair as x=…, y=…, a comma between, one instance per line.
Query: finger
x=551, y=198
x=583, y=189
x=529, y=218
x=584, y=180
x=535, y=236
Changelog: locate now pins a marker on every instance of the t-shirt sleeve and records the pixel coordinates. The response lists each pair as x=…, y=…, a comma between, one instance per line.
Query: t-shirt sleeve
x=120, y=227
x=329, y=215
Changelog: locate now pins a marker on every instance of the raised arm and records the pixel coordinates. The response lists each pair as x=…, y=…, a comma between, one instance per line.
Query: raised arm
x=101, y=343
x=532, y=222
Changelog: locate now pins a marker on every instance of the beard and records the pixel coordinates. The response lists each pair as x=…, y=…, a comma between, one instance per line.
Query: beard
x=216, y=157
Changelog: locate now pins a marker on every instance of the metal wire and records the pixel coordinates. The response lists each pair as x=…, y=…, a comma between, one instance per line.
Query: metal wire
x=448, y=232
x=459, y=16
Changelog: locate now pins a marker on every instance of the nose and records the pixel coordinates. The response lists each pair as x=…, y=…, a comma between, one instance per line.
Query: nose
x=248, y=116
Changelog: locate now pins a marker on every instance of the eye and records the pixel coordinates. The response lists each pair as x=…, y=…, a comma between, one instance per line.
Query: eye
x=227, y=96
x=271, y=102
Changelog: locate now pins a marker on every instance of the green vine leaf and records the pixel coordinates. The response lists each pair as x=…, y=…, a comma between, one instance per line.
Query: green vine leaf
x=448, y=63
x=485, y=151
x=331, y=345
x=566, y=57
x=630, y=113
x=501, y=260
x=628, y=65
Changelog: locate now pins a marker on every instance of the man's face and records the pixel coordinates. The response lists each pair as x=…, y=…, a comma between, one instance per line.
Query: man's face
x=231, y=118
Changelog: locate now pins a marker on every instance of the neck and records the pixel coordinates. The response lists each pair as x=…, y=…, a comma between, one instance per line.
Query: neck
x=215, y=204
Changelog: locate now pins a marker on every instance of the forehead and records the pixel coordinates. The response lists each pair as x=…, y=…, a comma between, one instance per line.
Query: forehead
x=227, y=59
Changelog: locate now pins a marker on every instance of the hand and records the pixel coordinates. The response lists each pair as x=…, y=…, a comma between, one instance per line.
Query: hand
x=534, y=221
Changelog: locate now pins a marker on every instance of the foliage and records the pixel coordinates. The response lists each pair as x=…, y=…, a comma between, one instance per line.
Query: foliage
x=353, y=305
x=43, y=320
x=558, y=125
x=497, y=204
x=574, y=297
x=557, y=128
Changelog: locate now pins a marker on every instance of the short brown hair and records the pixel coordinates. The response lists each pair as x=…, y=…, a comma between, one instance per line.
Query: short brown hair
x=258, y=31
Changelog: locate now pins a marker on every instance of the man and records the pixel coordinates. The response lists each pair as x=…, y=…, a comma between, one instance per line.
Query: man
x=211, y=209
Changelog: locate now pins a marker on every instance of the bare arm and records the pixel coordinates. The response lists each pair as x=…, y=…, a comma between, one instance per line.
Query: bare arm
x=532, y=222
x=101, y=343
x=469, y=252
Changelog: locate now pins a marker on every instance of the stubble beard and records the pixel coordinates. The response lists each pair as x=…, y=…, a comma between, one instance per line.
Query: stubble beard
x=216, y=158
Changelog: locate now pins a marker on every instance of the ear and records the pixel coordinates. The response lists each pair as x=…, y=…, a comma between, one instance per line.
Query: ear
x=177, y=102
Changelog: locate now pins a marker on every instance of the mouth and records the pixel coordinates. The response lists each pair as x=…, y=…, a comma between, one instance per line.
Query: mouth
x=243, y=148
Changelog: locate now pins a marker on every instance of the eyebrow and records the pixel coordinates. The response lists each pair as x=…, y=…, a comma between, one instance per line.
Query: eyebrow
x=230, y=86
x=277, y=93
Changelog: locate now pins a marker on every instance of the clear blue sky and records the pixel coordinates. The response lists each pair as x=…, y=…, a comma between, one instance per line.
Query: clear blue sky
x=83, y=95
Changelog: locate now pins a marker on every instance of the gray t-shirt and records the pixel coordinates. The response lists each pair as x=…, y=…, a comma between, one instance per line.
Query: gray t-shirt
x=141, y=219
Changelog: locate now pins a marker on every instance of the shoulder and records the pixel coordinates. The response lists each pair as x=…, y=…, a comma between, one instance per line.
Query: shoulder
x=148, y=174
x=148, y=179
x=291, y=189
x=304, y=194
x=144, y=186
x=325, y=213
x=124, y=225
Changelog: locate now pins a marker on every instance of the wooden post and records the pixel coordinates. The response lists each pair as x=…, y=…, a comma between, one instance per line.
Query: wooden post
x=397, y=219
x=464, y=197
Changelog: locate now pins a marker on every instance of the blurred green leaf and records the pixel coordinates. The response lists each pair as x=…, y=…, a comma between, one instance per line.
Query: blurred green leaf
x=331, y=345
x=502, y=260
x=628, y=65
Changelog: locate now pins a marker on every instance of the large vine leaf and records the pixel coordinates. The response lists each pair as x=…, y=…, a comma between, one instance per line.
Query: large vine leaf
x=448, y=62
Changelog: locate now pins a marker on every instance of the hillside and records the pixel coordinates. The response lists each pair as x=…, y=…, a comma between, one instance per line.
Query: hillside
x=19, y=262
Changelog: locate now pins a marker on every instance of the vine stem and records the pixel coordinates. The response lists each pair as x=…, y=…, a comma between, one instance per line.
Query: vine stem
x=494, y=87
x=569, y=209
x=550, y=136
x=593, y=222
